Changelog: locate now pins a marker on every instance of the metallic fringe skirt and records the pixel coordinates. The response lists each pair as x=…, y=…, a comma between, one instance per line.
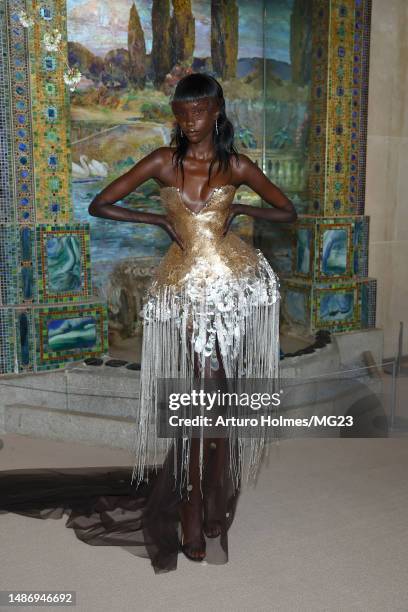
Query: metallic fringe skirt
x=242, y=314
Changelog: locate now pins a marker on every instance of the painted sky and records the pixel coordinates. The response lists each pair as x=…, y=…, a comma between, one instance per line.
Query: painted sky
x=101, y=25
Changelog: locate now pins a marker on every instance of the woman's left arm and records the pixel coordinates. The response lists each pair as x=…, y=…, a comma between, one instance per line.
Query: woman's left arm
x=248, y=173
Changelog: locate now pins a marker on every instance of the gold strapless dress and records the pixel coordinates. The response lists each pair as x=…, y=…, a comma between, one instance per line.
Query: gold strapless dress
x=217, y=287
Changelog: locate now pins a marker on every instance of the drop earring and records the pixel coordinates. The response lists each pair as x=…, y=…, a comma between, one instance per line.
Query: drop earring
x=181, y=132
x=216, y=126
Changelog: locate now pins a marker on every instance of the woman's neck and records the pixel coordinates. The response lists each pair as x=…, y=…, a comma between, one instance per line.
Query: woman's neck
x=201, y=151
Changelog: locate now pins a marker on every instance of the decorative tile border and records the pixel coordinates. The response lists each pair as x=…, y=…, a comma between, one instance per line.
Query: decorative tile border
x=318, y=124
x=336, y=305
x=69, y=334
x=27, y=277
x=302, y=316
x=25, y=339
x=343, y=297
x=339, y=97
x=8, y=362
x=310, y=229
x=360, y=245
x=75, y=282
x=363, y=9
x=7, y=210
x=8, y=264
x=341, y=136
x=368, y=302
x=21, y=114
x=320, y=274
x=50, y=110
x=356, y=248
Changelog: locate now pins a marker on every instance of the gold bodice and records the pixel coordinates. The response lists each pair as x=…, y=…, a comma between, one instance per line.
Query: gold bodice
x=206, y=251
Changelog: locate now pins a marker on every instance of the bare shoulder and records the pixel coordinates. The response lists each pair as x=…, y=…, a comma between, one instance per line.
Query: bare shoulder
x=241, y=167
x=162, y=154
x=155, y=164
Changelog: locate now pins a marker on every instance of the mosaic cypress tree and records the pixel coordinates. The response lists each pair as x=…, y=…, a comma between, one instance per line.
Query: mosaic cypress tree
x=161, y=52
x=182, y=32
x=224, y=37
x=301, y=41
x=137, y=50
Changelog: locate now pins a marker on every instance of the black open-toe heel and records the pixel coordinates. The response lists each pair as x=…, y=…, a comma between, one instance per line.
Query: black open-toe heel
x=192, y=550
x=212, y=529
x=188, y=550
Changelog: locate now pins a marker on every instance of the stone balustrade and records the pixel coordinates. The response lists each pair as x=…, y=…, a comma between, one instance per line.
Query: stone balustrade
x=286, y=170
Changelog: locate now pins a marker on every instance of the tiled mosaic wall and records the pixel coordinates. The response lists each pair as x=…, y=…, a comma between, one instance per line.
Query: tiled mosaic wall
x=327, y=285
x=48, y=313
x=49, y=98
x=337, y=306
x=341, y=31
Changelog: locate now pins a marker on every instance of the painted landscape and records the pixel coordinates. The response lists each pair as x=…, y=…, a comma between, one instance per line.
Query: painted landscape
x=131, y=55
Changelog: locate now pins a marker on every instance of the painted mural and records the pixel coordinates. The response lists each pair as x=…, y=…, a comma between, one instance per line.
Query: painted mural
x=287, y=120
x=131, y=55
x=296, y=92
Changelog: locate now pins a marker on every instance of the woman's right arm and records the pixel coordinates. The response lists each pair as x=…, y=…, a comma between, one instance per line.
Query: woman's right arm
x=103, y=204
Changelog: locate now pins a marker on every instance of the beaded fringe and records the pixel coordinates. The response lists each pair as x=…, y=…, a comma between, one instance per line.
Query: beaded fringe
x=243, y=314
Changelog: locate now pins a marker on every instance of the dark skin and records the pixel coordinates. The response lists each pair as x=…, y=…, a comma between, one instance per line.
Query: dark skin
x=199, y=116
x=197, y=121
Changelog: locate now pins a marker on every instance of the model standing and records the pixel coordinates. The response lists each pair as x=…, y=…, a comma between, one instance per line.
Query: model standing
x=211, y=312
x=213, y=307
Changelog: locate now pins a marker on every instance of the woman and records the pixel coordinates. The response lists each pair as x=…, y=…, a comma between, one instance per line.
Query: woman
x=211, y=314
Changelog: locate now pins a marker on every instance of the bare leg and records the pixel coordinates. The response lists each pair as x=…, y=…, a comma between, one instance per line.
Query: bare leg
x=199, y=512
x=191, y=509
x=214, y=461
